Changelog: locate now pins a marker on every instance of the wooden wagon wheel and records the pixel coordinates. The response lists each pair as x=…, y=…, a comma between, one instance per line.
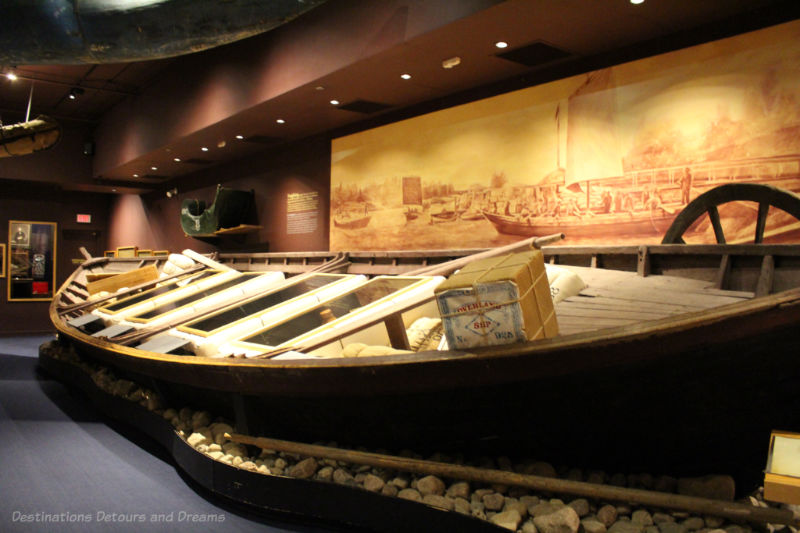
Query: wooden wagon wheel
x=764, y=195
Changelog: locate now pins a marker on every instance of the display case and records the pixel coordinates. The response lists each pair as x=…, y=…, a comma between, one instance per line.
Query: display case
x=31, y=260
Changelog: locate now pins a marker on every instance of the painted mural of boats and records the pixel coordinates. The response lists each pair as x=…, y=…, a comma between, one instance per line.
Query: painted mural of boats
x=591, y=195
x=701, y=338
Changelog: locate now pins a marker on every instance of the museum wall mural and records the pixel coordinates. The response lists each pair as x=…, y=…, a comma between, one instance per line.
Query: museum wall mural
x=610, y=156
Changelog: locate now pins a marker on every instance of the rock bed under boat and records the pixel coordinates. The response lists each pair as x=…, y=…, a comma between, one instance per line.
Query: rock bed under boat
x=468, y=503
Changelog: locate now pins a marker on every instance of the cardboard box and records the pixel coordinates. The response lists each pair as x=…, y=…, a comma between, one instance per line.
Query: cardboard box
x=498, y=300
x=782, y=475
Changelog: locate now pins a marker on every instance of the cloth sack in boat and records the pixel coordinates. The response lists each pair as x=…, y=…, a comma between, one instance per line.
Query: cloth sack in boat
x=176, y=263
x=358, y=349
x=563, y=283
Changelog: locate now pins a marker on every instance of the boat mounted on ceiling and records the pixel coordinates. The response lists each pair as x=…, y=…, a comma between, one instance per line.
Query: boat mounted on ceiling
x=111, y=31
x=25, y=138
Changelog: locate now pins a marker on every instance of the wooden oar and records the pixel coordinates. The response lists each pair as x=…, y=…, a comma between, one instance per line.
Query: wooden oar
x=129, y=291
x=448, y=267
x=136, y=337
x=663, y=500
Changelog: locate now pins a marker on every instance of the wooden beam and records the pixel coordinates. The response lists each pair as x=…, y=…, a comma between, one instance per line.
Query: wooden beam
x=723, y=273
x=704, y=506
x=643, y=262
x=764, y=285
x=397, y=331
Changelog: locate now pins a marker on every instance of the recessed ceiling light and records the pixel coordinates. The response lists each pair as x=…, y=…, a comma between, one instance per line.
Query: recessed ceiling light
x=637, y=2
x=334, y=102
x=11, y=76
x=221, y=144
x=136, y=175
x=405, y=76
x=113, y=190
x=153, y=168
x=280, y=121
x=177, y=159
x=240, y=137
x=319, y=88
x=204, y=148
x=501, y=44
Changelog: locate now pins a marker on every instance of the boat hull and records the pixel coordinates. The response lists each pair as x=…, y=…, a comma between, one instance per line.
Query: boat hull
x=681, y=396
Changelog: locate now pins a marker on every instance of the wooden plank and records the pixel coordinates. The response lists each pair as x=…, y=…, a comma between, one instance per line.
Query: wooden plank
x=624, y=305
x=654, y=295
x=397, y=332
x=766, y=276
x=643, y=263
x=724, y=272
x=126, y=279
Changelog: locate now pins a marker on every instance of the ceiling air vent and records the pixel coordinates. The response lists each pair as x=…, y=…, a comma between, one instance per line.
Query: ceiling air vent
x=535, y=54
x=198, y=161
x=263, y=139
x=364, y=106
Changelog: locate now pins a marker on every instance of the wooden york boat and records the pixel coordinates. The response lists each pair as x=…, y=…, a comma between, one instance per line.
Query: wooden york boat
x=676, y=359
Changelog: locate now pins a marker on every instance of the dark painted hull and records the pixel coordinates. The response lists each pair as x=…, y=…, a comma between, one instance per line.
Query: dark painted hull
x=107, y=31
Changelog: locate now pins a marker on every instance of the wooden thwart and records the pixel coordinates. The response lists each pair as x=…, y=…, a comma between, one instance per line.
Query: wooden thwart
x=731, y=510
x=127, y=279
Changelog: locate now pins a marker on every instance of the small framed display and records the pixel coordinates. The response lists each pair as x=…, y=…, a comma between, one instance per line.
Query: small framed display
x=110, y=253
x=161, y=252
x=31, y=260
x=2, y=260
x=144, y=253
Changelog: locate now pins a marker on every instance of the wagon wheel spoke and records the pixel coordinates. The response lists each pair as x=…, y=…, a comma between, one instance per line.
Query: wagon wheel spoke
x=713, y=214
x=765, y=196
x=761, y=222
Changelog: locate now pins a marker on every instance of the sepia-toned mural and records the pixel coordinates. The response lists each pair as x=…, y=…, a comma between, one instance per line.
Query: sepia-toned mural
x=606, y=157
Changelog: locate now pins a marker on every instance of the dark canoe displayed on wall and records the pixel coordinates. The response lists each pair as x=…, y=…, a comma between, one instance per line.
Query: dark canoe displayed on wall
x=109, y=31
x=675, y=359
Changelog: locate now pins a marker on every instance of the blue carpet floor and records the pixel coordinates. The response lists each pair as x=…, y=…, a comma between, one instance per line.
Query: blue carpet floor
x=65, y=468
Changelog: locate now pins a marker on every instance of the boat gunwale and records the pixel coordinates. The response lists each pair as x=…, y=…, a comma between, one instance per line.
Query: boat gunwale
x=539, y=357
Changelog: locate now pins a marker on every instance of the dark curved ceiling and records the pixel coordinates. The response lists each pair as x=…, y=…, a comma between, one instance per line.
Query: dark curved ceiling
x=546, y=38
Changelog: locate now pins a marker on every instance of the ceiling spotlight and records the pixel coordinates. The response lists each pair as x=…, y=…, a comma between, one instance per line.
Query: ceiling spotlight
x=153, y=168
x=177, y=159
x=637, y=2
x=405, y=76
x=221, y=144
x=172, y=192
x=136, y=175
x=204, y=148
x=501, y=44
x=11, y=76
x=75, y=92
x=334, y=102
x=280, y=121
x=319, y=88
x=240, y=137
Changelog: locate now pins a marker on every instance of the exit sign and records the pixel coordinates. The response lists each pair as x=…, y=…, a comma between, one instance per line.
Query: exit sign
x=84, y=219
